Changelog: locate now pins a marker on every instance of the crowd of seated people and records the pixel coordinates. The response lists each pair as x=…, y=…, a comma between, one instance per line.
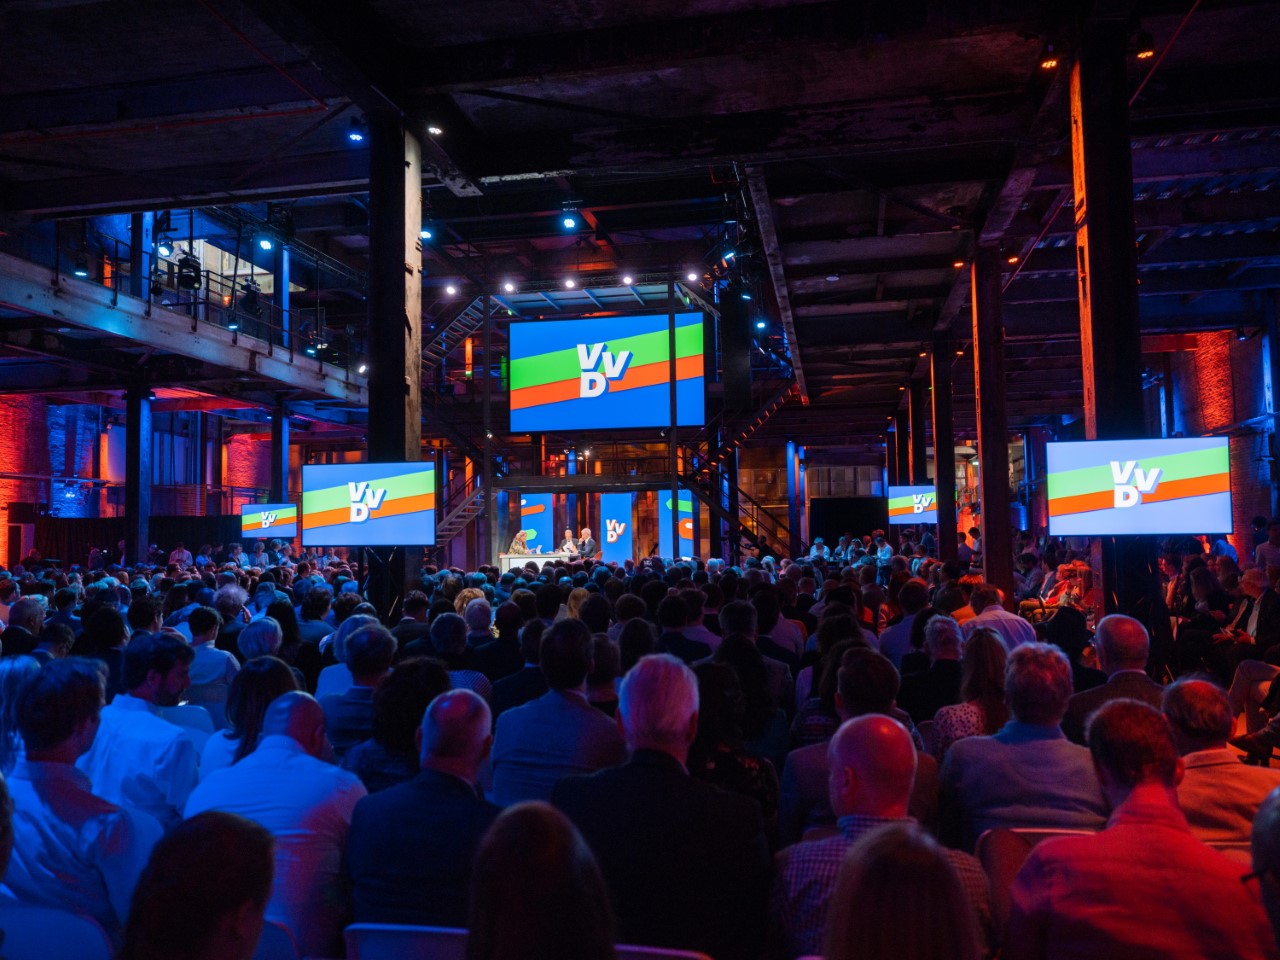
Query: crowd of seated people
x=838, y=755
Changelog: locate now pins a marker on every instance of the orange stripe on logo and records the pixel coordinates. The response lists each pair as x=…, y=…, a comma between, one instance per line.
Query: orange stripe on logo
x=389, y=508
x=1168, y=490
x=644, y=375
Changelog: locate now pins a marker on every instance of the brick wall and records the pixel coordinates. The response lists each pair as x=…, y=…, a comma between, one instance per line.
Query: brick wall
x=247, y=460
x=1217, y=385
x=22, y=425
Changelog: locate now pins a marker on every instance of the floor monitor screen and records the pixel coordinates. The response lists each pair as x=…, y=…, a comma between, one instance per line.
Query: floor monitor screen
x=368, y=504
x=1115, y=487
x=270, y=520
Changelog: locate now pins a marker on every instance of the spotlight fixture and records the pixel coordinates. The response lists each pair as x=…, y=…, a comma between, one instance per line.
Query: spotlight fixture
x=627, y=280
x=833, y=277
x=81, y=268
x=188, y=272
x=1014, y=258
x=425, y=233
x=451, y=290
x=434, y=130
x=570, y=283
x=1049, y=59
x=509, y=287
x=760, y=325
x=959, y=264
x=362, y=368
x=265, y=242
x=251, y=303
x=1144, y=48
x=692, y=276
x=746, y=294
x=924, y=353
x=1242, y=333
x=357, y=130
x=311, y=350
x=164, y=246
x=569, y=221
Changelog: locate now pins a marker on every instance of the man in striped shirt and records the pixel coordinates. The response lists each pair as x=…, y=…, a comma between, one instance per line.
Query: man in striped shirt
x=873, y=768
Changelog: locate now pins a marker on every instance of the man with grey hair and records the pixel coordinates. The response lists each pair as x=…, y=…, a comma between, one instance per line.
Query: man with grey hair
x=348, y=717
x=987, y=602
x=687, y=864
x=413, y=869
x=262, y=638
x=1123, y=646
x=923, y=694
x=1027, y=774
x=1218, y=794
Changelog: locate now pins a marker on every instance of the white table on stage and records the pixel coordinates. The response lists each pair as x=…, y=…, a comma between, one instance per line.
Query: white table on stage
x=509, y=561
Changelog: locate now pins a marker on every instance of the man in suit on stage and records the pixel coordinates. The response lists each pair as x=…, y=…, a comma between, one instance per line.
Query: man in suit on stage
x=687, y=864
x=587, y=545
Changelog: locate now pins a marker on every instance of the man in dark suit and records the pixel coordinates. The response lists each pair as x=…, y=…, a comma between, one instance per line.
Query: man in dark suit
x=559, y=734
x=64, y=604
x=527, y=683
x=922, y=694
x=26, y=618
x=410, y=848
x=673, y=614
x=414, y=626
x=586, y=544
x=1123, y=646
x=687, y=864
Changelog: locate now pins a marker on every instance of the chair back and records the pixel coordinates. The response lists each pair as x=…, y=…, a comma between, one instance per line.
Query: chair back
x=43, y=933
x=388, y=941
x=1002, y=851
x=276, y=943
x=192, y=718
x=927, y=735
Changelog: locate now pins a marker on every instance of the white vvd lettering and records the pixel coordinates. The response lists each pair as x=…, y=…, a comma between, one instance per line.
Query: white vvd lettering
x=364, y=499
x=593, y=382
x=1144, y=481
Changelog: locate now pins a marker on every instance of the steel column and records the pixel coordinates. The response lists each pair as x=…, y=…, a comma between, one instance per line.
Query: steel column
x=944, y=445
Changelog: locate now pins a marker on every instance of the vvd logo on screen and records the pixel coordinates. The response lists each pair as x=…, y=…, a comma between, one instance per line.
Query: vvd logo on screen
x=1129, y=494
x=364, y=498
x=590, y=356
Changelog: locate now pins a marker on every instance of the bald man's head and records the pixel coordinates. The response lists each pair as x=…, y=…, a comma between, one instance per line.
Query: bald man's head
x=296, y=715
x=455, y=732
x=1123, y=643
x=872, y=767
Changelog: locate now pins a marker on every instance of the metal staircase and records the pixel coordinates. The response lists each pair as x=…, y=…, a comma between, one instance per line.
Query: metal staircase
x=451, y=334
x=463, y=505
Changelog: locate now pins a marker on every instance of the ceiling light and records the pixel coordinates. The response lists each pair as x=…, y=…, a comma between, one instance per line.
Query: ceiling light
x=760, y=324
x=264, y=243
x=627, y=280
x=1144, y=47
x=509, y=287
x=81, y=268
x=434, y=130
x=1049, y=63
x=729, y=254
x=362, y=368
x=425, y=233
x=570, y=283
x=570, y=222
x=357, y=130
x=959, y=353
x=1014, y=258
x=924, y=353
x=746, y=295
x=311, y=350
x=959, y=264
x=451, y=290
x=691, y=277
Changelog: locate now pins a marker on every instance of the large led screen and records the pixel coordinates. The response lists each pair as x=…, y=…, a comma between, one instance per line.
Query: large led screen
x=1106, y=487
x=913, y=505
x=270, y=520
x=368, y=504
x=604, y=374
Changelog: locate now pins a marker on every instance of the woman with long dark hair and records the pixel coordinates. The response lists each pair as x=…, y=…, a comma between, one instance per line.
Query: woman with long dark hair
x=258, y=683
x=536, y=892
x=982, y=710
